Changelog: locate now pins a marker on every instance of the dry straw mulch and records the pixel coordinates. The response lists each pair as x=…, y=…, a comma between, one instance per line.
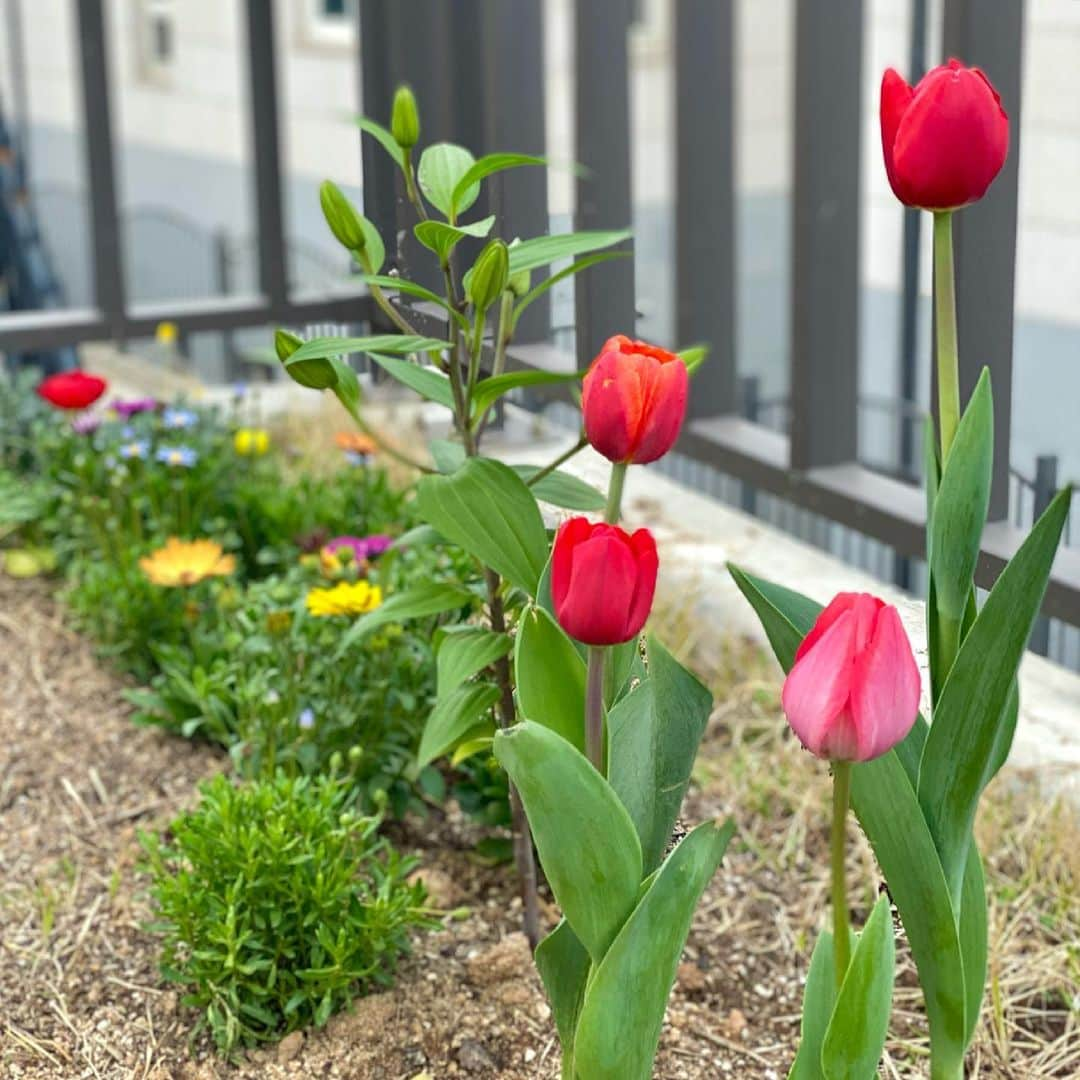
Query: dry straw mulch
x=78, y=979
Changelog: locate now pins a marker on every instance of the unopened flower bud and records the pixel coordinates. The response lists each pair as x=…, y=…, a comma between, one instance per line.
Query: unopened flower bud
x=404, y=119
x=316, y=373
x=355, y=753
x=342, y=217
x=489, y=275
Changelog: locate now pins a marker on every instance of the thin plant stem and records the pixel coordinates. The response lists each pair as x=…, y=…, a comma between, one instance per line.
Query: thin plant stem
x=461, y=414
x=841, y=932
x=948, y=365
x=411, y=190
x=594, y=708
x=615, y=492
x=503, y=335
x=551, y=466
x=390, y=311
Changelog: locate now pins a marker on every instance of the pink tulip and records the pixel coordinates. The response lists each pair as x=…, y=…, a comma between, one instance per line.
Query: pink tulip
x=853, y=692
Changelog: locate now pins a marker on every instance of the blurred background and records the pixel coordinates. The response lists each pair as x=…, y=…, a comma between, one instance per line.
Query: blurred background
x=191, y=211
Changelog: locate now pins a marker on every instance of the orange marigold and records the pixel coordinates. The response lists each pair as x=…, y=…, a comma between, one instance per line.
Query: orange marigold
x=186, y=562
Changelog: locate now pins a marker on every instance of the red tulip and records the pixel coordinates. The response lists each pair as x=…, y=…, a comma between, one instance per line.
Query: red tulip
x=71, y=389
x=602, y=581
x=944, y=140
x=853, y=692
x=634, y=401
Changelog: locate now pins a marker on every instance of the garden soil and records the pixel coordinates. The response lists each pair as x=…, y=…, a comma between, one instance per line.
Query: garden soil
x=80, y=995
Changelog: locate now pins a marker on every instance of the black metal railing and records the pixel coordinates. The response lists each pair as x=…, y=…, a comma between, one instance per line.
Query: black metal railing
x=478, y=71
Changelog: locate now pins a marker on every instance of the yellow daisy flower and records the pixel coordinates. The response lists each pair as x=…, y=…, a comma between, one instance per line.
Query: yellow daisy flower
x=186, y=562
x=251, y=441
x=345, y=598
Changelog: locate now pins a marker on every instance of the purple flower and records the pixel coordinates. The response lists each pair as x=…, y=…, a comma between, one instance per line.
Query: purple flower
x=177, y=456
x=86, y=424
x=127, y=407
x=306, y=719
x=362, y=547
x=178, y=419
x=137, y=449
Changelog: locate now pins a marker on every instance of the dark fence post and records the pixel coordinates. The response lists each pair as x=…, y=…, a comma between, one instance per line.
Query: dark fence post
x=825, y=248
x=266, y=153
x=110, y=292
x=515, y=122
x=1046, y=486
x=604, y=296
x=990, y=35
x=704, y=34
x=223, y=282
x=750, y=401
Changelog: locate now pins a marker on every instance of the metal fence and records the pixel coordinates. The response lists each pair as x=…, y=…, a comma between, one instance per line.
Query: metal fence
x=477, y=67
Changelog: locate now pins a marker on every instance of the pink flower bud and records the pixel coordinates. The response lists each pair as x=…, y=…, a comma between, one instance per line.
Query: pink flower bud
x=853, y=691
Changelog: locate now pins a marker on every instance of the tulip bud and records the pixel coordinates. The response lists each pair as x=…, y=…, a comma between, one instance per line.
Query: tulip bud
x=342, y=217
x=489, y=274
x=853, y=691
x=404, y=119
x=945, y=139
x=602, y=581
x=519, y=283
x=316, y=374
x=633, y=401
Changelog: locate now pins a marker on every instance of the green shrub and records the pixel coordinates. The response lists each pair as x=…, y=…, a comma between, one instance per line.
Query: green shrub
x=277, y=905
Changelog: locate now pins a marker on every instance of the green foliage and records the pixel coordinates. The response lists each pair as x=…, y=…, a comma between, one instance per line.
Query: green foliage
x=277, y=904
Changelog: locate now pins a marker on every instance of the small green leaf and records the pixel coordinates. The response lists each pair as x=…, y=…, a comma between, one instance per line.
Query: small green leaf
x=586, y=841
x=550, y=676
x=465, y=750
x=486, y=508
x=388, y=281
x=383, y=137
x=347, y=386
x=575, y=268
x=489, y=390
x=962, y=746
x=693, y=357
x=542, y=250
x=465, y=650
x=562, y=489
x=653, y=738
x=860, y=1020
x=415, y=603
x=374, y=254
x=454, y=716
x=448, y=456
x=442, y=238
x=623, y=1011
x=422, y=378
x=442, y=166
x=325, y=347
x=467, y=188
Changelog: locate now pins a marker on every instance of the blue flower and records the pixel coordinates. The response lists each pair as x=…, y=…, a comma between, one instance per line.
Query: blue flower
x=137, y=449
x=177, y=456
x=353, y=458
x=306, y=719
x=179, y=419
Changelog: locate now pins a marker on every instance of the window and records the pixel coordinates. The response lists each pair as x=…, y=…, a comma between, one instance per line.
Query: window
x=328, y=22
x=156, y=31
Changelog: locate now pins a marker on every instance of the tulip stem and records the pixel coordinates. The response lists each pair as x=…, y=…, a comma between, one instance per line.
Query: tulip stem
x=594, y=708
x=947, y=350
x=841, y=932
x=615, y=490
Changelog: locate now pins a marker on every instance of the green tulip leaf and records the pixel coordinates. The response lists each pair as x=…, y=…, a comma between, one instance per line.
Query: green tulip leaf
x=623, y=1011
x=584, y=836
x=486, y=508
x=963, y=745
x=860, y=1020
x=563, y=964
x=448, y=456
x=819, y=998
x=550, y=676
x=562, y=489
x=961, y=503
x=465, y=650
x=653, y=737
x=543, y=250
x=489, y=390
x=415, y=603
x=456, y=715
